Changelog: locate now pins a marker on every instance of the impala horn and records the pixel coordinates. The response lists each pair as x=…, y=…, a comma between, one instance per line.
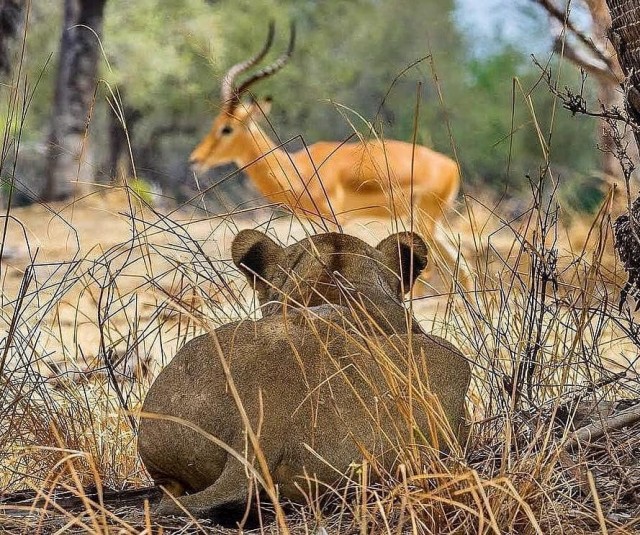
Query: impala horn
x=230, y=94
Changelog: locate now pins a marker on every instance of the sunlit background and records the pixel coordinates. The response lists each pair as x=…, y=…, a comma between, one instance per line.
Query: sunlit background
x=474, y=73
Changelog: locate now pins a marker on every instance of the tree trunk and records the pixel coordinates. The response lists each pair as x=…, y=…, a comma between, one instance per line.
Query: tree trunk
x=625, y=36
x=11, y=17
x=608, y=93
x=69, y=161
x=120, y=164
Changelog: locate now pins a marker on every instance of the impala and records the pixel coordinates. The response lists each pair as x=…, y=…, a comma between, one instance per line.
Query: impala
x=333, y=180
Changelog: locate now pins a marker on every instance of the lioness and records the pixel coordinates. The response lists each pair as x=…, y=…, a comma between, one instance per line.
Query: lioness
x=335, y=369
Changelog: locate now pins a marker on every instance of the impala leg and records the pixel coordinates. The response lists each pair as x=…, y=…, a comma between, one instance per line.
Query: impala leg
x=444, y=256
x=447, y=260
x=336, y=197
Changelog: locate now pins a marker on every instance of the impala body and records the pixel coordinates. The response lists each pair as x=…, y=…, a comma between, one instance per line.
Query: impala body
x=333, y=180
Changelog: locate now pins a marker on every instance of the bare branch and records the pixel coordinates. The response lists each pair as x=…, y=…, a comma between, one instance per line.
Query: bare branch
x=560, y=15
x=587, y=63
x=596, y=430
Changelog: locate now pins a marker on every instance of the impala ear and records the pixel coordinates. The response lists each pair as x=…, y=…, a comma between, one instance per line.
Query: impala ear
x=254, y=109
x=256, y=255
x=405, y=254
x=263, y=106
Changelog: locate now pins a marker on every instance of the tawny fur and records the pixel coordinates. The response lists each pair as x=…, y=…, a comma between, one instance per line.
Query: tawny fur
x=315, y=375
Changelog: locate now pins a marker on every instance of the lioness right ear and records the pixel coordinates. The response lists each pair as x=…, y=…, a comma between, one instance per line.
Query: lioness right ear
x=406, y=254
x=254, y=253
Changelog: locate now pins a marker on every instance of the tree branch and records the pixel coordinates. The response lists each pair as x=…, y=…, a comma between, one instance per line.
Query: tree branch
x=598, y=429
x=560, y=15
x=588, y=64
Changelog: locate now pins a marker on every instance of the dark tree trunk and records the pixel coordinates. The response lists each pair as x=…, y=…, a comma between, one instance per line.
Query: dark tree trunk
x=120, y=164
x=625, y=36
x=608, y=84
x=11, y=17
x=69, y=161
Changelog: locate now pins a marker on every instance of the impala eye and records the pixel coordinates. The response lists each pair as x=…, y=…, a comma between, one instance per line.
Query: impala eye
x=226, y=130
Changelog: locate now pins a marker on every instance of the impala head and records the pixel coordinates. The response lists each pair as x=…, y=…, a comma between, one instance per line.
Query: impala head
x=229, y=135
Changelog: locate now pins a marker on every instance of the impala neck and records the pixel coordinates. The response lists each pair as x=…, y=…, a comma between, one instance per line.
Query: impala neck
x=274, y=171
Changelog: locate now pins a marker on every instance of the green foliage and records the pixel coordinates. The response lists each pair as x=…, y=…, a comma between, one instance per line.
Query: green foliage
x=156, y=50
x=38, y=71
x=143, y=189
x=581, y=193
x=504, y=134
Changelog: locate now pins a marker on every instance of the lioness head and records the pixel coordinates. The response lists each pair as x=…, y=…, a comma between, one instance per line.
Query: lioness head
x=321, y=269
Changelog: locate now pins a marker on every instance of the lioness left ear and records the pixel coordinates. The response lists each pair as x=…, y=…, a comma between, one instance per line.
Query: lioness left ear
x=406, y=254
x=254, y=253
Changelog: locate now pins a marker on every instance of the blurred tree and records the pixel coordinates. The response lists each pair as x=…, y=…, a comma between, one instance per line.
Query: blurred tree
x=69, y=158
x=507, y=123
x=513, y=124
x=122, y=120
x=11, y=17
x=154, y=50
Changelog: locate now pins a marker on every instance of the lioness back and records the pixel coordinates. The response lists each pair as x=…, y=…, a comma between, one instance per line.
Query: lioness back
x=336, y=368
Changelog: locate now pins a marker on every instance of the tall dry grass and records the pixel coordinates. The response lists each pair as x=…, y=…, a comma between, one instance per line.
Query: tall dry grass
x=84, y=340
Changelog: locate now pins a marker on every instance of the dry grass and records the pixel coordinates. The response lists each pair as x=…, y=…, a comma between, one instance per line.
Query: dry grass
x=90, y=323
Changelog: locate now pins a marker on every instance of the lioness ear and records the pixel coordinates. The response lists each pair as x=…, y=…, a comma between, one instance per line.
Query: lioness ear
x=254, y=253
x=406, y=254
